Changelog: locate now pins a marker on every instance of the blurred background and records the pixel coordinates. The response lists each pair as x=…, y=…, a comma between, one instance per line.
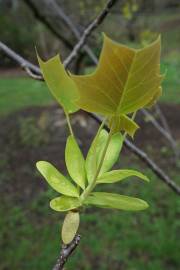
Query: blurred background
x=32, y=128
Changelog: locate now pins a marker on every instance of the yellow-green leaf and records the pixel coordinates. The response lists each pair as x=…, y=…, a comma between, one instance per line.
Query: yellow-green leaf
x=75, y=162
x=59, y=83
x=124, y=81
x=112, y=153
x=92, y=158
x=70, y=226
x=64, y=203
x=116, y=201
x=119, y=175
x=124, y=123
x=96, y=150
x=56, y=180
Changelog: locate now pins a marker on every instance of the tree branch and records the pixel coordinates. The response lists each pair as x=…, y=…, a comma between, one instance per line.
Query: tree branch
x=97, y=21
x=52, y=15
x=65, y=253
x=166, y=133
x=40, y=12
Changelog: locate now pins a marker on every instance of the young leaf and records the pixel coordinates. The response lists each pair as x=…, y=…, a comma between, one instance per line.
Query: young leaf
x=124, y=123
x=56, y=180
x=95, y=153
x=60, y=84
x=70, y=227
x=112, y=153
x=118, y=175
x=64, y=203
x=95, y=149
x=124, y=81
x=116, y=201
x=75, y=162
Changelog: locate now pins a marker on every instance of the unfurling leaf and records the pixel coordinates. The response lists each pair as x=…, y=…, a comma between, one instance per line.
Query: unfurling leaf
x=70, y=227
x=59, y=83
x=75, y=162
x=124, y=123
x=64, y=203
x=119, y=175
x=116, y=201
x=56, y=180
x=96, y=150
x=124, y=81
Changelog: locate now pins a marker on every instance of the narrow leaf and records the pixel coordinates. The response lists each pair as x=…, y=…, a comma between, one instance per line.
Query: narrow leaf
x=112, y=153
x=56, y=180
x=92, y=159
x=119, y=175
x=95, y=153
x=124, y=81
x=70, y=227
x=59, y=82
x=75, y=162
x=116, y=201
x=64, y=203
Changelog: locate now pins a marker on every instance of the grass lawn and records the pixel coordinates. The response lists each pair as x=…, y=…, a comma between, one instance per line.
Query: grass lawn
x=110, y=239
x=19, y=93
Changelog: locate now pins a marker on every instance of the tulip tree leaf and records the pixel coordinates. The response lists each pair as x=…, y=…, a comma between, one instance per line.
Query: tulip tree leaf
x=116, y=201
x=119, y=175
x=59, y=83
x=70, y=227
x=75, y=162
x=96, y=150
x=64, y=203
x=155, y=97
x=56, y=180
x=123, y=123
x=124, y=81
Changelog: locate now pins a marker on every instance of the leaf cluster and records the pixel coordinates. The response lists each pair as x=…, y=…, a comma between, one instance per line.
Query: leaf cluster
x=124, y=81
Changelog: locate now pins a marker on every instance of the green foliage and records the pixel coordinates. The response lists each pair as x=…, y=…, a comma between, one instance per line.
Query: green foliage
x=96, y=150
x=119, y=175
x=75, y=162
x=64, y=203
x=124, y=81
x=116, y=201
x=70, y=226
x=59, y=83
x=56, y=180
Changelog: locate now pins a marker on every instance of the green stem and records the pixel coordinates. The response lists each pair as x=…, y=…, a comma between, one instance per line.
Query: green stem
x=69, y=123
x=88, y=190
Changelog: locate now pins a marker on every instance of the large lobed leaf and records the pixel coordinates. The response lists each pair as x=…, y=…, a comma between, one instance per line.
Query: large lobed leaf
x=59, y=83
x=56, y=180
x=116, y=201
x=124, y=81
x=96, y=150
x=75, y=162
